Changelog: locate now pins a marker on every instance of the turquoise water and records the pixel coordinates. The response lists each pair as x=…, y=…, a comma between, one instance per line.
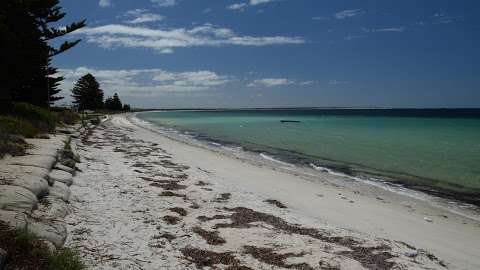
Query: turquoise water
x=438, y=149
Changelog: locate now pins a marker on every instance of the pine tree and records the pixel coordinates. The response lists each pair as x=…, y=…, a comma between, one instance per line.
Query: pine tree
x=25, y=32
x=113, y=103
x=87, y=94
x=126, y=107
x=109, y=103
x=116, y=103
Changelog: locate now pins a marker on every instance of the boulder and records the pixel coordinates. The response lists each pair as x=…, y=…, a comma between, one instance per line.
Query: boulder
x=14, y=219
x=54, y=231
x=61, y=191
x=45, y=162
x=17, y=198
x=35, y=184
x=62, y=167
x=61, y=176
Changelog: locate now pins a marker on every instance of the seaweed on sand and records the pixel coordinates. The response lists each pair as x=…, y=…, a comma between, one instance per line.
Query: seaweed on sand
x=181, y=211
x=202, y=258
x=211, y=237
x=172, y=194
x=223, y=197
x=172, y=220
x=369, y=257
x=276, y=203
x=268, y=256
x=172, y=185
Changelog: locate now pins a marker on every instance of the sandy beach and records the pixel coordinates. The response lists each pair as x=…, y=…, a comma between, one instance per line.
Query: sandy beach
x=145, y=201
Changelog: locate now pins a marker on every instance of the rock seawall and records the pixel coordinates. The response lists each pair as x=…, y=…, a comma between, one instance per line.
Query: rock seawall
x=34, y=188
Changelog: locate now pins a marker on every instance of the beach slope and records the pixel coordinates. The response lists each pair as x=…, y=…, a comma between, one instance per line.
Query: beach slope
x=144, y=201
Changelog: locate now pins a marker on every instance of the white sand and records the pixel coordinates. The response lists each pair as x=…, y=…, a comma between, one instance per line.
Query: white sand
x=117, y=216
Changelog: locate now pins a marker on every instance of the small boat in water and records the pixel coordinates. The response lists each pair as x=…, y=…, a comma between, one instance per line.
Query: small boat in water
x=289, y=121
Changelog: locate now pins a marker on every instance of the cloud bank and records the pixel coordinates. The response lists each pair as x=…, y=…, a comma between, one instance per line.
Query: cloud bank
x=147, y=83
x=164, y=41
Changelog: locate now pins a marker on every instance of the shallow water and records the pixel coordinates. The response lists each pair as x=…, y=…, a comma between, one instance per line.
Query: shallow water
x=437, y=148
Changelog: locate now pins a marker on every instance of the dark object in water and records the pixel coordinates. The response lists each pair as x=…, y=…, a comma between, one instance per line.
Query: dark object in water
x=289, y=121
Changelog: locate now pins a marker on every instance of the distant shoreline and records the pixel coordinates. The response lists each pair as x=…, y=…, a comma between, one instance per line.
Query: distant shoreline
x=387, y=112
x=302, y=108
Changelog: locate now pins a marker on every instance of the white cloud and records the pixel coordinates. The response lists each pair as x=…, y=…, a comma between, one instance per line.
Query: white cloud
x=138, y=16
x=104, y=3
x=207, y=35
x=258, y=2
x=352, y=37
x=307, y=82
x=237, y=6
x=270, y=82
x=388, y=29
x=147, y=82
x=335, y=82
x=164, y=3
x=347, y=13
x=319, y=18
x=242, y=6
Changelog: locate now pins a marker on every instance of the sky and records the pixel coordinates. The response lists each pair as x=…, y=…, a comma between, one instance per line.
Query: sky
x=277, y=53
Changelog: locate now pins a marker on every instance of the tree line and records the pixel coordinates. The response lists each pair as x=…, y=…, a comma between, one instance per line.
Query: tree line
x=26, y=32
x=26, y=73
x=87, y=95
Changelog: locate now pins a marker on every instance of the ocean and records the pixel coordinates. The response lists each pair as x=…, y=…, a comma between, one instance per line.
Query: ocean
x=433, y=150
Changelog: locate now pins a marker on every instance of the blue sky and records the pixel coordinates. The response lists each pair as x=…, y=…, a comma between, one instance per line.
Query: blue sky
x=278, y=53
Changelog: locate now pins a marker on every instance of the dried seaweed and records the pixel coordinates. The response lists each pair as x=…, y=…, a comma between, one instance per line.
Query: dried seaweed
x=211, y=237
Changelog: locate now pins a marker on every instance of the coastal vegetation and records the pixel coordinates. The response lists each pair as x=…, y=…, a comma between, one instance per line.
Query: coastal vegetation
x=26, y=33
x=26, y=251
x=87, y=95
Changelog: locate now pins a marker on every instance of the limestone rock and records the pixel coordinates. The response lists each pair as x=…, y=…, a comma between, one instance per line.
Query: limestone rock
x=61, y=191
x=16, y=198
x=61, y=176
x=14, y=219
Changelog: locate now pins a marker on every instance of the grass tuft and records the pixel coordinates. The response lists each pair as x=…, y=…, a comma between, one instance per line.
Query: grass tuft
x=26, y=251
x=17, y=126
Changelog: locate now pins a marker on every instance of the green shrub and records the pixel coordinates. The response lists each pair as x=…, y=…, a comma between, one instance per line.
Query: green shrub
x=65, y=259
x=25, y=251
x=12, y=145
x=39, y=117
x=66, y=116
x=18, y=126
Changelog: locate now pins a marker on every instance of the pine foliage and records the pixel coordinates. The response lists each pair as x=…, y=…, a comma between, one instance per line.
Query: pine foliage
x=87, y=94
